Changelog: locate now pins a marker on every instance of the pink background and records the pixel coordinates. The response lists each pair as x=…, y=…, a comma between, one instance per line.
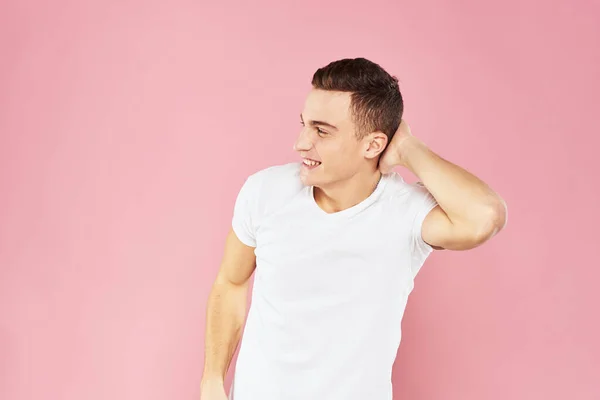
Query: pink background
x=127, y=128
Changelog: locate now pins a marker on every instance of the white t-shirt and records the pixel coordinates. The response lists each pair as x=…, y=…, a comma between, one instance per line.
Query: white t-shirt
x=329, y=289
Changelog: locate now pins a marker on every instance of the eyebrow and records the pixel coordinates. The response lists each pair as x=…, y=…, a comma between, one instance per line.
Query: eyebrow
x=321, y=123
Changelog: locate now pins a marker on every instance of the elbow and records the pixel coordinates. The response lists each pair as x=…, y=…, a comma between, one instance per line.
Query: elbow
x=480, y=226
x=491, y=221
x=498, y=215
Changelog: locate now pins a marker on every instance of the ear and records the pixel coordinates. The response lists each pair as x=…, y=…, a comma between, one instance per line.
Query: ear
x=375, y=144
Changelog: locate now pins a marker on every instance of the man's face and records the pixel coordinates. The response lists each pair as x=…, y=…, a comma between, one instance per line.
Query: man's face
x=327, y=142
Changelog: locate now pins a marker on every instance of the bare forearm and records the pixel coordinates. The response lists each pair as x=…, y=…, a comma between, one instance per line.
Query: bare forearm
x=464, y=197
x=226, y=313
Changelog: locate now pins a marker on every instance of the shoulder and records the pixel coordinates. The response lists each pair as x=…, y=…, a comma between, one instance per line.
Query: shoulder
x=408, y=198
x=399, y=189
x=277, y=179
x=273, y=186
x=282, y=173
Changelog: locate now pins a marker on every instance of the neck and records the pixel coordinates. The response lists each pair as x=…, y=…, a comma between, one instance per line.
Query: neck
x=347, y=193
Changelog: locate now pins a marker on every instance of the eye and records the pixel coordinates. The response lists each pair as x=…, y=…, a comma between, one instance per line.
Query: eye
x=321, y=131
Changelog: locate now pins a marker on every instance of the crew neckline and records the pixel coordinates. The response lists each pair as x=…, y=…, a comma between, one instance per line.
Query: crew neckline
x=350, y=211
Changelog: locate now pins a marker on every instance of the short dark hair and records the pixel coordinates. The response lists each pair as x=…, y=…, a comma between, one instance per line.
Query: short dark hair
x=376, y=101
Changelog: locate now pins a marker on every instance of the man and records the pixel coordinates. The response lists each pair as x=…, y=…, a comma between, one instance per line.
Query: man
x=336, y=241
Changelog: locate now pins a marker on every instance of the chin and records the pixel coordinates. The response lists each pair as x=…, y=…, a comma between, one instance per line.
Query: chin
x=314, y=177
x=306, y=180
x=309, y=179
x=314, y=181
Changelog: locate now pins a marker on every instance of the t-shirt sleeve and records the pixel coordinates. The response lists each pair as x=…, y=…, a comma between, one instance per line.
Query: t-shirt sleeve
x=245, y=211
x=423, y=203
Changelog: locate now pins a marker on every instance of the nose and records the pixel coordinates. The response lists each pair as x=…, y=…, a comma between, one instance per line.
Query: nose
x=303, y=142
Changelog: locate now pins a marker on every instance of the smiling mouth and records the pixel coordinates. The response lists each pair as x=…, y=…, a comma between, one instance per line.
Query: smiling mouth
x=310, y=163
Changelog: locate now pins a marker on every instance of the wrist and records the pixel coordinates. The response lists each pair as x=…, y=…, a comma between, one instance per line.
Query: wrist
x=211, y=381
x=407, y=149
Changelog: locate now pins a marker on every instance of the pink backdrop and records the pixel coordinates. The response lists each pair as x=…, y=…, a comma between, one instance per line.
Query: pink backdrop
x=127, y=128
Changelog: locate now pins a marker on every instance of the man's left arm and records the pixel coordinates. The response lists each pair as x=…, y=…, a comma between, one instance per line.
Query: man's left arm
x=468, y=213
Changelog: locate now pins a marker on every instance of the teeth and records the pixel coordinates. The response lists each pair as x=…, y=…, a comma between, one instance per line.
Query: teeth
x=311, y=162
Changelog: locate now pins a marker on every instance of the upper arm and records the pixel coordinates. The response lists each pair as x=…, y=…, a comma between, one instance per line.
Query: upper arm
x=239, y=259
x=436, y=229
x=440, y=233
x=238, y=263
